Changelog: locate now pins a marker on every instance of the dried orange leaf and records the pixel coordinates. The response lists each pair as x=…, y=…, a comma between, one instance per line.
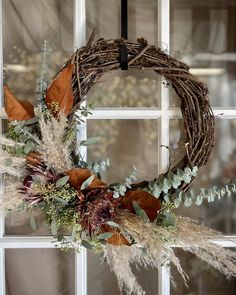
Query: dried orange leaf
x=146, y=201
x=59, y=96
x=117, y=238
x=16, y=109
x=79, y=175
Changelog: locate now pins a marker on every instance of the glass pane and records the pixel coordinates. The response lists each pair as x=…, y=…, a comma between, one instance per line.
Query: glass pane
x=127, y=143
x=39, y=271
x=102, y=281
x=203, y=35
x=203, y=279
x=132, y=88
x=220, y=214
x=104, y=17
x=37, y=36
x=19, y=223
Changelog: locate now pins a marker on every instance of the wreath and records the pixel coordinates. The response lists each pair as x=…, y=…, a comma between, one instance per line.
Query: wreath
x=129, y=223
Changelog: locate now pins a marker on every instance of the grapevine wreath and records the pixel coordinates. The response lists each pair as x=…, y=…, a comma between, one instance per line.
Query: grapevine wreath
x=130, y=223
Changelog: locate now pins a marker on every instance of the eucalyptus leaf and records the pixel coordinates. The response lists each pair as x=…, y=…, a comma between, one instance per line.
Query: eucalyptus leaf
x=187, y=178
x=139, y=211
x=194, y=171
x=33, y=223
x=29, y=146
x=166, y=185
x=112, y=223
x=31, y=121
x=187, y=202
x=176, y=182
x=89, y=141
x=167, y=198
x=19, y=151
x=86, y=244
x=156, y=190
x=8, y=162
x=177, y=202
x=116, y=195
x=87, y=182
x=104, y=236
x=54, y=227
x=169, y=220
x=199, y=200
x=62, y=181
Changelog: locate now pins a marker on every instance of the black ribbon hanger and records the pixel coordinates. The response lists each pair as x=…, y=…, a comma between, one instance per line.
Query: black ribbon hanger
x=124, y=35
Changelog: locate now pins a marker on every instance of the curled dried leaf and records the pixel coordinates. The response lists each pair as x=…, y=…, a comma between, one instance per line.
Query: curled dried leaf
x=16, y=109
x=79, y=175
x=146, y=201
x=59, y=96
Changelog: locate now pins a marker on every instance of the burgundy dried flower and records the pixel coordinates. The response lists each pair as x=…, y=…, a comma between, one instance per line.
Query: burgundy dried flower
x=37, y=175
x=96, y=208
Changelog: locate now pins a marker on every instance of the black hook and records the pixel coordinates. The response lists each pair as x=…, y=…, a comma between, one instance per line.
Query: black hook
x=124, y=35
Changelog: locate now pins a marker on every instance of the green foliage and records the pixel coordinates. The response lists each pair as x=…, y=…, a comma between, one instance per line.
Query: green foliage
x=29, y=146
x=112, y=224
x=209, y=194
x=140, y=212
x=89, y=141
x=33, y=223
x=171, y=181
x=87, y=182
x=104, y=236
x=86, y=244
x=62, y=181
x=100, y=166
x=120, y=189
x=166, y=217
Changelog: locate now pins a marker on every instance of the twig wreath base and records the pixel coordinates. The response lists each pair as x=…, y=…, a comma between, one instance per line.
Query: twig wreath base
x=98, y=58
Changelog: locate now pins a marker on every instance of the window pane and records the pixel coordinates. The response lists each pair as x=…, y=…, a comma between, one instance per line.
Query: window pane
x=39, y=271
x=131, y=88
x=203, y=279
x=220, y=214
x=19, y=223
x=26, y=26
x=102, y=281
x=203, y=35
x=104, y=17
x=127, y=143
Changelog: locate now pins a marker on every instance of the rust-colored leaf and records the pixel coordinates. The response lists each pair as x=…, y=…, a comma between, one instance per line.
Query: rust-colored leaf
x=16, y=109
x=146, y=201
x=34, y=159
x=117, y=238
x=79, y=175
x=59, y=96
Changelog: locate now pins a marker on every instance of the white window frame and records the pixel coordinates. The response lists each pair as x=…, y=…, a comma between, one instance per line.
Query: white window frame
x=163, y=114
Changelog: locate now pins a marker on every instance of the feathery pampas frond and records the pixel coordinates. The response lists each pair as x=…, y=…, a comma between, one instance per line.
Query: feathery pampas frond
x=9, y=142
x=158, y=242
x=10, y=197
x=52, y=147
x=16, y=167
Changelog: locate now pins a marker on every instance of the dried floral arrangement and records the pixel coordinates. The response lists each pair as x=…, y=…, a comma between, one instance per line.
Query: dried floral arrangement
x=130, y=223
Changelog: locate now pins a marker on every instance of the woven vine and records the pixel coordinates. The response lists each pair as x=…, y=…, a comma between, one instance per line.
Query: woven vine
x=99, y=57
